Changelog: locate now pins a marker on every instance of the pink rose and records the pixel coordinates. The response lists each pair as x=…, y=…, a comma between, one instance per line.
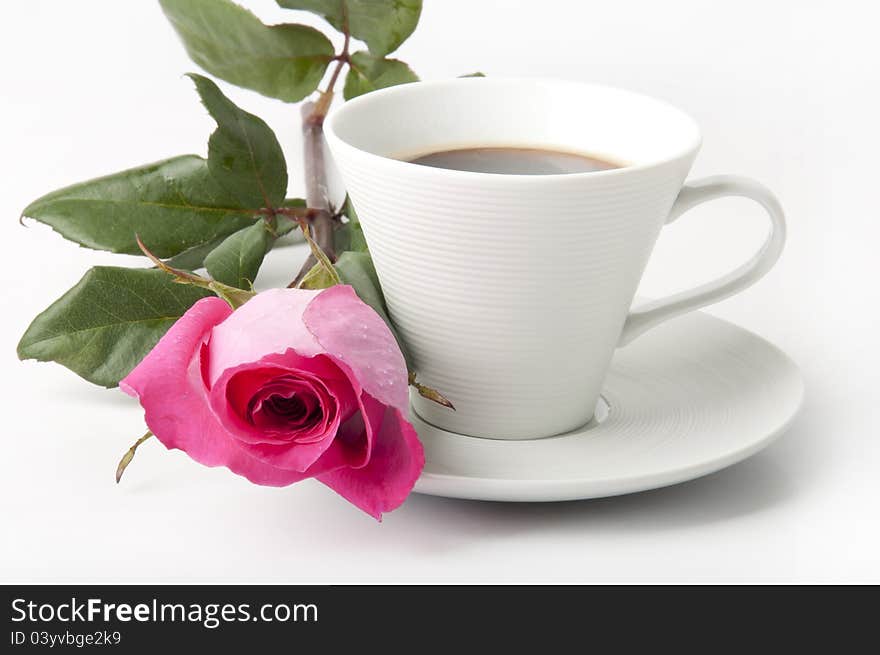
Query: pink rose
x=294, y=384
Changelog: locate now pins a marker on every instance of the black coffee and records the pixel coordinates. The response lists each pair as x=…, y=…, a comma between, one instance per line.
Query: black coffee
x=514, y=161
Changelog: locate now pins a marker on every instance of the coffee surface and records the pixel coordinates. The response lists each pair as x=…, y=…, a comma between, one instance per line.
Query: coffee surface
x=514, y=161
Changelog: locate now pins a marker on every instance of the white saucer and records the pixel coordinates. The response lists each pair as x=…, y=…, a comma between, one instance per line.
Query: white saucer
x=687, y=399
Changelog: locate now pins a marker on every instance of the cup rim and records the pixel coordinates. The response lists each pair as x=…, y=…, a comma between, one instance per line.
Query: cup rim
x=688, y=150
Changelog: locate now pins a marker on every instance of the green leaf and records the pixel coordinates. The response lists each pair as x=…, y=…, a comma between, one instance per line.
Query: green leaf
x=280, y=61
x=318, y=277
x=194, y=258
x=322, y=261
x=382, y=24
x=294, y=202
x=477, y=74
x=367, y=73
x=356, y=269
x=237, y=260
x=105, y=325
x=348, y=209
x=181, y=206
x=173, y=205
x=349, y=237
x=286, y=224
x=243, y=154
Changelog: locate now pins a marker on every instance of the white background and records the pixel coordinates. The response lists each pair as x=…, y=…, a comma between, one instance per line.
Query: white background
x=786, y=92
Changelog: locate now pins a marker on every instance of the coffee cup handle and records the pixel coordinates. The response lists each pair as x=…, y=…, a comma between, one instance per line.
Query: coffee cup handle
x=646, y=316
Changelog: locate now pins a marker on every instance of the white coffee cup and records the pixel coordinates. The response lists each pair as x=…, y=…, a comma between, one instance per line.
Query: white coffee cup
x=512, y=291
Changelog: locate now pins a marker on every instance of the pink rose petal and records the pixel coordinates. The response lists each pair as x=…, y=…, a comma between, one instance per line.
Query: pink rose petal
x=353, y=332
x=270, y=322
x=288, y=453
x=396, y=460
x=168, y=382
x=230, y=402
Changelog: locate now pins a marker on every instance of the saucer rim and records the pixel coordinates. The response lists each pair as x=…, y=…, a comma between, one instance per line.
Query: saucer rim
x=544, y=489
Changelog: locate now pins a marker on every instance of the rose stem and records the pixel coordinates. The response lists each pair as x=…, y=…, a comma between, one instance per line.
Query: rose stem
x=317, y=196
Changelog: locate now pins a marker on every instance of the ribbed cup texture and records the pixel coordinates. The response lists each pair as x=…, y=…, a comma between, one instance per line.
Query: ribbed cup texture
x=510, y=293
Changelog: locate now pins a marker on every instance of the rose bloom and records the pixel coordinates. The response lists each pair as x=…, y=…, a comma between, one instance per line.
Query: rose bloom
x=294, y=384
